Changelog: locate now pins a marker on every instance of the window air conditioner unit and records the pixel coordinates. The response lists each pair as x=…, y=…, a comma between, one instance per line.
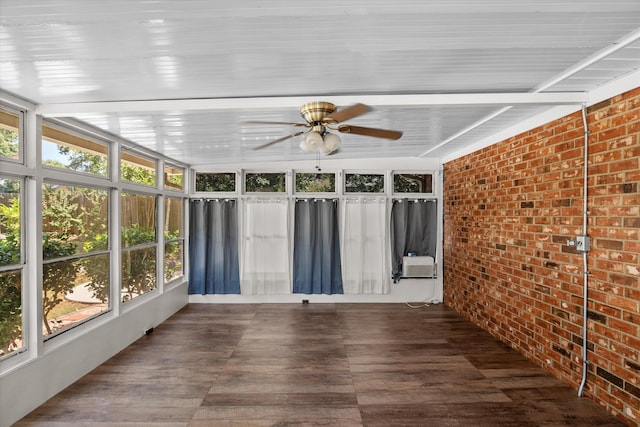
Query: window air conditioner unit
x=418, y=266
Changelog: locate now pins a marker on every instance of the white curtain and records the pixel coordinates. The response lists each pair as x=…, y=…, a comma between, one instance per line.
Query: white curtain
x=265, y=244
x=365, y=261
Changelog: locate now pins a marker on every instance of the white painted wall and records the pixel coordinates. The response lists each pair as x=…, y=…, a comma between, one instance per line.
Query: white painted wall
x=406, y=290
x=70, y=357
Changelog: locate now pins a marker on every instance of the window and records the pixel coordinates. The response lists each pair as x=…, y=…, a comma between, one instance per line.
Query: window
x=75, y=250
x=137, y=169
x=173, y=238
x=364, y=183
x=216, y=182
x=67, y=151
x=260, y=182
x=173, y=177
x=412, y=183
x=315, y=182
x=138, y=221
x=10, y=267
x=9, y=135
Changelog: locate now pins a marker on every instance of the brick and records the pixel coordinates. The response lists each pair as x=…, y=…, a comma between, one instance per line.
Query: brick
x=631, y=389
x=609, y=377
x=528, y=287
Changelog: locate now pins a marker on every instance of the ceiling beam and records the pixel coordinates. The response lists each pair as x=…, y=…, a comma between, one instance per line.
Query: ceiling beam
x=266, y=103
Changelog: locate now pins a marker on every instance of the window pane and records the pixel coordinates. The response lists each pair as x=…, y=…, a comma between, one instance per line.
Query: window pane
x=67, y=151
x=138, y=272
x=9, y=135
x=212, y=182
x=265, y=182
x=10, y=312
x=315, y=182
x=74, y=220
x=138, y=219
x=173, y=257
x=173, y=234
x=364, y=183
x=73, y=291
x=173, y=177
x=9, y=221
x=412, y=183
x=138, y=169
x=172, y=218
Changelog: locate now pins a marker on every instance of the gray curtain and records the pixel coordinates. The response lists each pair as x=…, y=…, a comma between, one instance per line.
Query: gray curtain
x=316, y=248
x=213, y=247
x=414, y=226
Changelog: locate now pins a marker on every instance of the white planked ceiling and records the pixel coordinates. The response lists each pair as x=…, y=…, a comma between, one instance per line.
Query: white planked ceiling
x=180, y=77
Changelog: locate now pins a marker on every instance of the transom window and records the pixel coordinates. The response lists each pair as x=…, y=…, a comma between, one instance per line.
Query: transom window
x=364, y=183
x=65, y=150
x=9, y=135
x=265, y=182
x=315, y=182
x=215, y=182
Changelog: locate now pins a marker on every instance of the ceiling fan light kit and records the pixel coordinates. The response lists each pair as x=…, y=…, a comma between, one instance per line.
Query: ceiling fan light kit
x=320, y=117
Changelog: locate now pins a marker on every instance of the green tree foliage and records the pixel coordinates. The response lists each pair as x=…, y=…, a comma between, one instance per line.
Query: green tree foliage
x=315, y=182
x=10, y=282
x=58, y=278
x=59, y=214
x=10, y=227
x=138, y=265
x=97, y=268
x=9, y=143
x=412, y=183
x=138, y=174
x=364, y=183
x=10, y=311
x=265, y=182
x=172, y=259
x=213, y=182
x=82, y=161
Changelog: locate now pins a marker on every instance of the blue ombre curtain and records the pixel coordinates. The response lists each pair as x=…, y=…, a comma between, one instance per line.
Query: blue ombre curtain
x=414, y=228
x=213, y=247
x=316, y=247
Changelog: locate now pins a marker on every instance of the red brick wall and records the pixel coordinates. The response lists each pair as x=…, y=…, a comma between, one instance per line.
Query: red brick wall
x=510, y=209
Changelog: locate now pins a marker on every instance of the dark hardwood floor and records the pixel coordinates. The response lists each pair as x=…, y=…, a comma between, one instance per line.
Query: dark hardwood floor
x=318, y=364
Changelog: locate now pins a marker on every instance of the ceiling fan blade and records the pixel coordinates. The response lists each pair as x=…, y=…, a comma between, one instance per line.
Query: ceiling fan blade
x=346, y=114
x=293, y=135
x=376, y=133
x=258, y=122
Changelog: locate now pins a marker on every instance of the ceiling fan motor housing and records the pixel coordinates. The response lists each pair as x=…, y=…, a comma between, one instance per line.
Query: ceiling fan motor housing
x=316, y=111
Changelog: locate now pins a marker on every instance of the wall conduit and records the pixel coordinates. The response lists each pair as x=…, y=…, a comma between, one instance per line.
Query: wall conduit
x=584, y=246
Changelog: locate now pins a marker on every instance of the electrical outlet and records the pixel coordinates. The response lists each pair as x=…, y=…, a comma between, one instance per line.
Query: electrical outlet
x=583, y=243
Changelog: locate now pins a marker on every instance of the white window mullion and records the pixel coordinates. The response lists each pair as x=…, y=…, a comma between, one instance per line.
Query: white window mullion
x=33, y=229
x=114, y=230
x=160, y=243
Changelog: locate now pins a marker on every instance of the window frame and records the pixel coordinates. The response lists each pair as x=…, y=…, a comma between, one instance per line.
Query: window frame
x=181, y=239
x=128, y=151
x=82, y=256
x=287, y=184
x=336, y=182
x=237, y=183
x=155, y=244
x=416, y=172
x=21, y=131
x=165, y=186
x=74, y=134
x=364, y=172
x=19, y=267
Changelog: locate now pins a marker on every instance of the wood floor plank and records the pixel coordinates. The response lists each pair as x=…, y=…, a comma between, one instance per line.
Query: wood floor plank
x=257, y=365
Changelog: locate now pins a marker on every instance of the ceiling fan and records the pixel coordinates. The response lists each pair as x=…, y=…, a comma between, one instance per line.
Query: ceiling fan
x=322, y=117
